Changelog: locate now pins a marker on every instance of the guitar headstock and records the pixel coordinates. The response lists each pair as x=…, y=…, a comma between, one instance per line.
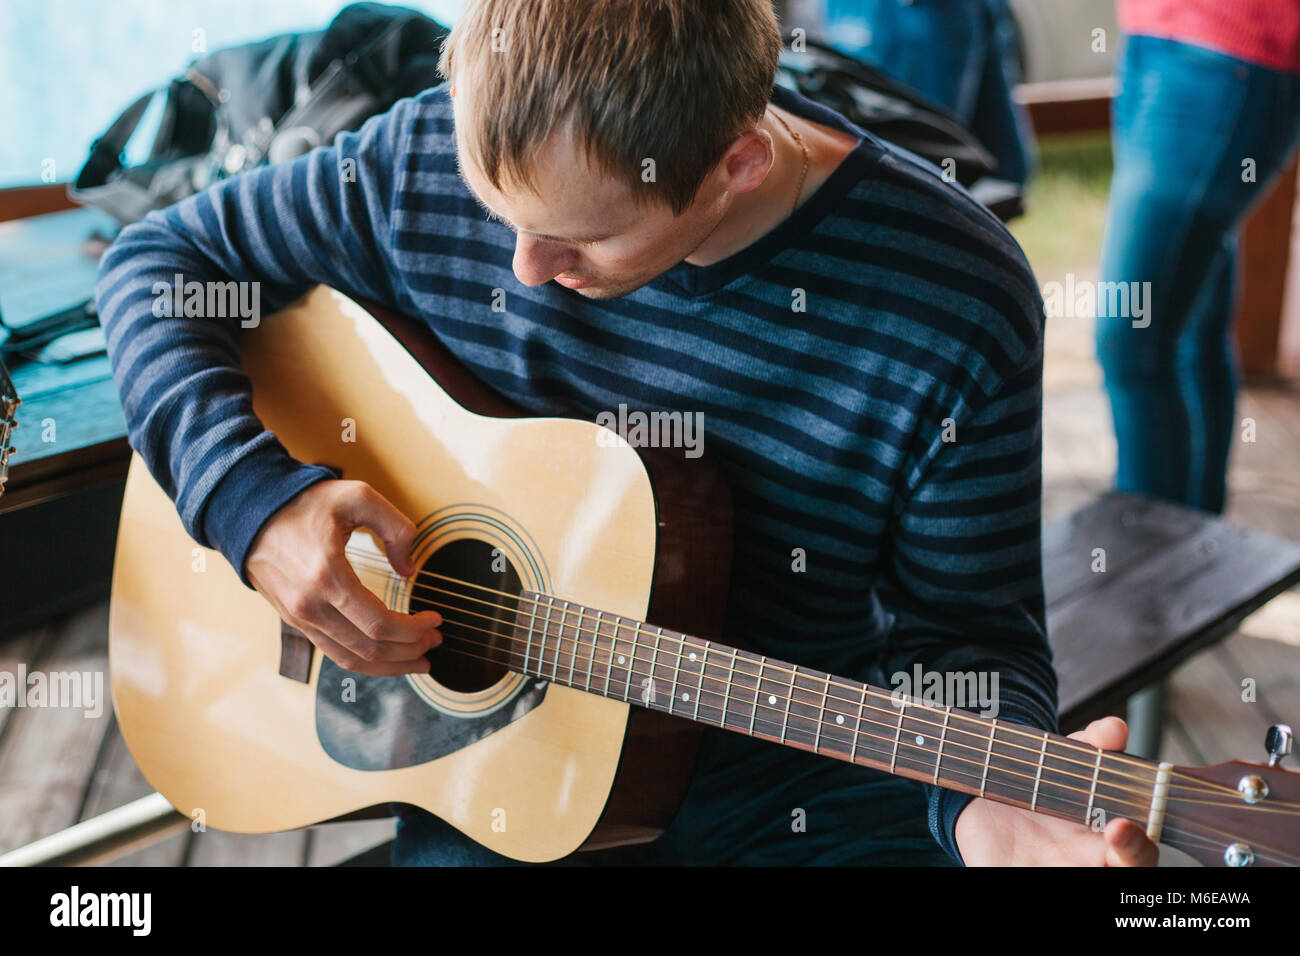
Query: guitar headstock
x=9, y=402
x=1237, y=813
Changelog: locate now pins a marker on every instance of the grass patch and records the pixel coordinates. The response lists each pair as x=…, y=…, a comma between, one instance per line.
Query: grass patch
x=1066, y=204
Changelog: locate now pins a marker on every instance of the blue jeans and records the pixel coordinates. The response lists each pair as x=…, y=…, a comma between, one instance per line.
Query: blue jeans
x=957, y=53
x=1197, y=138
x=751, y=803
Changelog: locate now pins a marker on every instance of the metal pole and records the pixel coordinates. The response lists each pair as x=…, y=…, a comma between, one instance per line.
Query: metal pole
x=105, y=837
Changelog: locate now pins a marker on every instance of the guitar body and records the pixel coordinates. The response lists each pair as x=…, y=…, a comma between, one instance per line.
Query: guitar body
x=229, y=713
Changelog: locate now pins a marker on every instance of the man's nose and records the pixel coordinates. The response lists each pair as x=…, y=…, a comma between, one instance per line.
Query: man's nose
x=538, y=261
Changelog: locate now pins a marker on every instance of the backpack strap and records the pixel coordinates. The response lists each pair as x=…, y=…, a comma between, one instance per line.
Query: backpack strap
x=106, y=152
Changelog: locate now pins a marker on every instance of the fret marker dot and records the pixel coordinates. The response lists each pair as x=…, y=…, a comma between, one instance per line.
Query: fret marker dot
x=771, y=698
x=686, y=696
x=839, y=718
x=622, y=659
x=692, y=655
x=920, y=739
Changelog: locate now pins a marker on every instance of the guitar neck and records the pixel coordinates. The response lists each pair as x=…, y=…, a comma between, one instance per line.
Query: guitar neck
x=848, y=720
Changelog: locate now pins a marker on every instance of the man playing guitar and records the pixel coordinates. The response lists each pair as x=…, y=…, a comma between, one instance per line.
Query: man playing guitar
x=608, y=203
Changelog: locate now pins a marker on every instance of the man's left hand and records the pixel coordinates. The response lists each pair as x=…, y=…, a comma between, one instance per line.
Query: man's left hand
x=998, y=834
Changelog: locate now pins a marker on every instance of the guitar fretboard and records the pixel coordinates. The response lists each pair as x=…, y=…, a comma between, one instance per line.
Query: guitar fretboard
x=748, y=693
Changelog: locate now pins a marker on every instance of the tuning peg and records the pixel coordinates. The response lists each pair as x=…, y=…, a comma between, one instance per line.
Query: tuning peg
x=1278, y=743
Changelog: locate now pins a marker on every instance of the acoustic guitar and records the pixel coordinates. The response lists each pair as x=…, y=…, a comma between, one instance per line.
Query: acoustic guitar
x=582, y=582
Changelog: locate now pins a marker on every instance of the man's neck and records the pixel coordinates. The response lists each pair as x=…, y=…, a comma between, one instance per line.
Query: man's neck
x=753, y=214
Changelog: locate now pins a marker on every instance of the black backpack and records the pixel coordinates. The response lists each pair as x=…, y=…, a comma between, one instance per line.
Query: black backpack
x=899, y=115
x=242, y=107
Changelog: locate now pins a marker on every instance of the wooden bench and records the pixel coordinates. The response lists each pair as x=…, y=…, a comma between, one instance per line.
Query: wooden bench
x=1175, y=581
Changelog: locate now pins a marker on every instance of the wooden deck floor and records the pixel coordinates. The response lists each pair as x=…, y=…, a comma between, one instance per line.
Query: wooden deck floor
x=58, y=767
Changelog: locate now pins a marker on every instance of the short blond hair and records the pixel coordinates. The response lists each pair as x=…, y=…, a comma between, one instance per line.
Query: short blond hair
x=673, y=81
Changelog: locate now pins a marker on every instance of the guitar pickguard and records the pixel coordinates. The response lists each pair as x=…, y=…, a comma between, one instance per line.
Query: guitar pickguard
x=385, y=723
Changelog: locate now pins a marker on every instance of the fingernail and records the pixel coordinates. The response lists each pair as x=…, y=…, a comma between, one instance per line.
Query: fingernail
x=1132, y=837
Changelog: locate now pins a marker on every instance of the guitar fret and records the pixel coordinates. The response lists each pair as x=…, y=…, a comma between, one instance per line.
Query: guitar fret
x=631, y=659
x=528, y=647
x=577, y=630
x=943, y=734
x=559, y=643
x=1092, y=791
x=857, y=730
x=699, y=691
x=794, y=673
x=726, y=694
x=898, y=734
x=654, y=662
x=618, y=628
x=613, y=646
x=546, y=632
x=672, y=695
x=984, y=776
x=1038, y=776
x=591, y=661
x=758, y=689
x=821, y=715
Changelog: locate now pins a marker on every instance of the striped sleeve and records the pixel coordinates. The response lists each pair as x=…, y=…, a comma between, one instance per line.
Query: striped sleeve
x=964, y=579
x=280, y=230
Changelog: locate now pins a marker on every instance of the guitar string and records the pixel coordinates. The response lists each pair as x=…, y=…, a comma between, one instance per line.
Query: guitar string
x=575, y=658
x=1185, y=837
x=383, y=569
x=775, y=667
x=982, y=738
x=834, y=735
x=914, y=718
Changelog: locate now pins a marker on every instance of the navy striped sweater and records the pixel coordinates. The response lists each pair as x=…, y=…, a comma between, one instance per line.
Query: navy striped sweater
x=891, y=430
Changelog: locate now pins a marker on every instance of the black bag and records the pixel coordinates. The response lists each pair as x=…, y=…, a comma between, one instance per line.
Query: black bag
x=264, y=102
x=898, y=115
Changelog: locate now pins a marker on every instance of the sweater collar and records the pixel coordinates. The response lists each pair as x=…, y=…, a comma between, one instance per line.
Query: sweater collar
x=694, y=281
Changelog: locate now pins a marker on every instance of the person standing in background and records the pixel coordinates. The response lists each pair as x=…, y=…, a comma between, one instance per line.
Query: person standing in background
x=1206, y=114
x=956, y=53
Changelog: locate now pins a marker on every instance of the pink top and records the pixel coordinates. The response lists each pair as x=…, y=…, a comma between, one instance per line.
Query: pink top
x=1265, y=32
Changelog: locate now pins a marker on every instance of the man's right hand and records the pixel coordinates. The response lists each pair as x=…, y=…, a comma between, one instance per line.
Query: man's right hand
x=297, y=563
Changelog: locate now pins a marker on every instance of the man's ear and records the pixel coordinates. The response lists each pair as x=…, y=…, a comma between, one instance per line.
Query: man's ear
x=746, y=162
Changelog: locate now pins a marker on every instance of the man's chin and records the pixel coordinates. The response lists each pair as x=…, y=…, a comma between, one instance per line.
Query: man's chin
x=609, y=290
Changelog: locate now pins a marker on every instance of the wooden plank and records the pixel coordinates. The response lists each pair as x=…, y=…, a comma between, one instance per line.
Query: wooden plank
x=116, y=782
x=1274, y=666
x=1070, y=421
x=23, y=201
x=215, y=848
x=1067, y=106
x=1131, y=529
x=1282, y=404
x=1265, y=240
x=81, y=418
x=49, y=753
x=332, y=843
x=21, y=649
x=1205, y=696
x=1115, y=639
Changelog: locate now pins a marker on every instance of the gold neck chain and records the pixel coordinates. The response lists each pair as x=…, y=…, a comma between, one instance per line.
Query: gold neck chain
x=804, y=172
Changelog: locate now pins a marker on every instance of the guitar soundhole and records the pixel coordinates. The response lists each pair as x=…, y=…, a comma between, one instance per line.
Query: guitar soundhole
x=472, y=585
